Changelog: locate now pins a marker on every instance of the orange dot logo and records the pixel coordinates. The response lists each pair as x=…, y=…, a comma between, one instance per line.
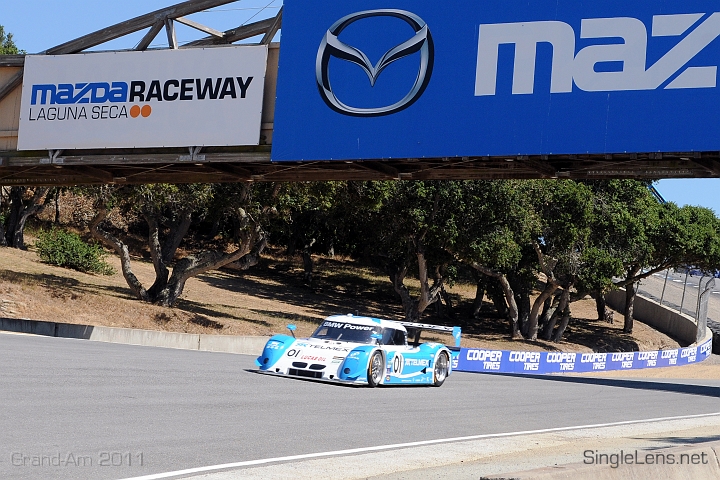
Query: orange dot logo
x=135, y=111
x=146, y=111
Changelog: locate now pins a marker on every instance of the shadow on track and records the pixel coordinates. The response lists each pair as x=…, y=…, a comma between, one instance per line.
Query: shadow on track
x=687, y=389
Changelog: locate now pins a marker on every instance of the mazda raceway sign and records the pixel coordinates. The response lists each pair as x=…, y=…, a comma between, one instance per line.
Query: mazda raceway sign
x=161, y=98
x=413, y=79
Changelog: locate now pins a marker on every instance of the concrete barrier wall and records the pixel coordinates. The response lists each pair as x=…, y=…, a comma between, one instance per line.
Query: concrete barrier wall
x=663, y=319
x=148, y=338
x=242, y=345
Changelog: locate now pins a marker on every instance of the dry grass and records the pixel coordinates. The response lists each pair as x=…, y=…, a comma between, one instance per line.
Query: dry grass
x=263, y=300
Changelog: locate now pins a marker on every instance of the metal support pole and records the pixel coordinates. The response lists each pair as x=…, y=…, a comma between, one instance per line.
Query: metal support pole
x=699, y=297
x=702, y=311
x=662, y=296
x=687, y=272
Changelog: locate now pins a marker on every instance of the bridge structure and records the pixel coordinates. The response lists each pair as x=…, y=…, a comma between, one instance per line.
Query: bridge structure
x=252, y=163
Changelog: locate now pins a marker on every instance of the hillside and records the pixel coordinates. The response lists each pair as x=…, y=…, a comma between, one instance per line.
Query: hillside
x=263, y=300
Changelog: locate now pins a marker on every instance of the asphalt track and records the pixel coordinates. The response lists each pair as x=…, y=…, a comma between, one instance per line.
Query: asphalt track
x=82, y=403
x=652, y=287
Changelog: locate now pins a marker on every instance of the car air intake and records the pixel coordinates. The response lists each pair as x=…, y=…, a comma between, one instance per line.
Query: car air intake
x=304, y=373
x=316, y=366
x=300, y=364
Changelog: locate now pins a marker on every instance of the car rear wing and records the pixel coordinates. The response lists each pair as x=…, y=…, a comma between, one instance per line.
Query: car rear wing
x=416, y=328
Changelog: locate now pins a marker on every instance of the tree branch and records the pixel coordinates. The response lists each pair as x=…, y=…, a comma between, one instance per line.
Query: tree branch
x=121, y=249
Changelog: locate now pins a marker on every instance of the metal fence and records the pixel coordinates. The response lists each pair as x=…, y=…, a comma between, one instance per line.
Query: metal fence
x=687, y=291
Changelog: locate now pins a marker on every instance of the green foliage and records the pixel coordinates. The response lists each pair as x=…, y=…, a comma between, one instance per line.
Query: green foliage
x=67, y=249
x=7, y=45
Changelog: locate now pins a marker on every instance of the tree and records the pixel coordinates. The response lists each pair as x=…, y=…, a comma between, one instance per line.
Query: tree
x=7, y=45
x=672, y=237
x=24, y=202
x=413, y=230
x=169, y=209
x=498, y=223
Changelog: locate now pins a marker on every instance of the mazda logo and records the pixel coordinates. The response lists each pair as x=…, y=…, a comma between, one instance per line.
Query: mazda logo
x=331, y=46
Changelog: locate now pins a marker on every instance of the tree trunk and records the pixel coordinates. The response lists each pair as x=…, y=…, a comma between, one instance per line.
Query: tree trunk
x=397, y=277
x=308, y=264
x=177, y=233
x=546, y=311
x=497, y=297
x=21, y=212
x=550, y=288
x=549, y=319
x=198, y=264
x=521, y=290
x=629, y=307
x=601, y=306
x=563, y=325
x=479, y=294
x=121, y=249
x=3, y=240
x=162, y=274
x=561, y=310
x=447, y=301
x=509, y=297
x=56, y=220
x=523, y=309
x=15, y=200
x=428, y=294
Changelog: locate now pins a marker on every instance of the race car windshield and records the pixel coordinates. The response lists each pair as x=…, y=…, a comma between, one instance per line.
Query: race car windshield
x=346, y=332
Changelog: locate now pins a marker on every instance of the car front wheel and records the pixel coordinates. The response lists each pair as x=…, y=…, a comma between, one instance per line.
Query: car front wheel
x=441, y=369
x=375, y=369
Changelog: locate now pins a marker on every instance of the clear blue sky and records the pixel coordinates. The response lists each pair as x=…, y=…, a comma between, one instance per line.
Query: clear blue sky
x=41, y=24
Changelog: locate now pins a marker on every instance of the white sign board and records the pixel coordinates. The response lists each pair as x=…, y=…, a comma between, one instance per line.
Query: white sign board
x=163, y=98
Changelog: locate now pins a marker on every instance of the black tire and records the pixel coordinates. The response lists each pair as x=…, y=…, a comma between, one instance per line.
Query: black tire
x=375, y=369
x=440, y=371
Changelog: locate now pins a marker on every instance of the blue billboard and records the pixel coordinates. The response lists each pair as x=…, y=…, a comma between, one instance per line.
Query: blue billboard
x=544, y=363
x=362, y=79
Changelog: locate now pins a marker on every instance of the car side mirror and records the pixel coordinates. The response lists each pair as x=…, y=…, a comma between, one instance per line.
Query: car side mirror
x=377, y=337
x=292, y=329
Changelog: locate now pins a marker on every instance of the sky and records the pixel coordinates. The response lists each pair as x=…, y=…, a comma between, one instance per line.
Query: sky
x=40, y=24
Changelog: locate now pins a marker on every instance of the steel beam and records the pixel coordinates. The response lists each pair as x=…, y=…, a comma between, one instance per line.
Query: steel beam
x=270, y=34
x=170, y=30
x=14, y=82
x=150, y=35
x=134, y=25
x=236, y=34
x=200, y=26
x=12, y=60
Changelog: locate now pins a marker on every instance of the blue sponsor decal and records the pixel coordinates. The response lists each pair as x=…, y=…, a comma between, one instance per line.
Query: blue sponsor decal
x=504, y=361
x=417, y=78
x=140, y=91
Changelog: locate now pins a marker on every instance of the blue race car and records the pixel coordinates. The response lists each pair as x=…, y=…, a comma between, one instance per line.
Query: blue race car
x=362, y=350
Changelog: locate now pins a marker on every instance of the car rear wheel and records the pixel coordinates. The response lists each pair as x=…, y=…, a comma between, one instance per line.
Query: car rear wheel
x=375, y=369
x=441, y=369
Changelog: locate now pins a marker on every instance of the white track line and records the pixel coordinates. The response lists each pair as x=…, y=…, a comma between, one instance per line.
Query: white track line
x=354, y=451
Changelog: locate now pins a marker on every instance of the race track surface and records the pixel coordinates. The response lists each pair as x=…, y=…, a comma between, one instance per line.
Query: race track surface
x=67, y=400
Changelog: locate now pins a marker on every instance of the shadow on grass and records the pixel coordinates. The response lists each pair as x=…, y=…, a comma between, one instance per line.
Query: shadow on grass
x=276, y=286
x=65, y=287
